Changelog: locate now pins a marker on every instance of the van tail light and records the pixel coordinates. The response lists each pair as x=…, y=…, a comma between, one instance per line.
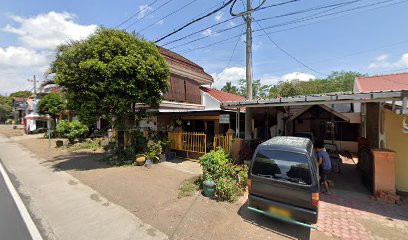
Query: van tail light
x=249, y=182
x=315, y=199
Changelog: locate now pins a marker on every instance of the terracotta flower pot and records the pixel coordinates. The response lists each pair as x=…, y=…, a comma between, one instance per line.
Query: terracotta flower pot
x=140, y=160
x=59, y=143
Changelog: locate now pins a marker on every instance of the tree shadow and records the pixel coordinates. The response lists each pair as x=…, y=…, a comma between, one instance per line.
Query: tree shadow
x=78, y=161
x=275, y=226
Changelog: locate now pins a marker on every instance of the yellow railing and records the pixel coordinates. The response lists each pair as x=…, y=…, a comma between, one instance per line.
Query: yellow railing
x=188, y=141
x=224, y=142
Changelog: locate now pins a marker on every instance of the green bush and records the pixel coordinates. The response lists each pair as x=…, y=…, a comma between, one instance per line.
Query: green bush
x=228, y=189
x=62, y=129
x=71, y=130
x=154, y=150
x=230, y=179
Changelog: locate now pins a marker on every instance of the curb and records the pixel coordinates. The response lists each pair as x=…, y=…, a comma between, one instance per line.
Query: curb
x=32, y=229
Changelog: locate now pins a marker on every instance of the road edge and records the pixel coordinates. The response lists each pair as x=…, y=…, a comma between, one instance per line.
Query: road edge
x=31, y=227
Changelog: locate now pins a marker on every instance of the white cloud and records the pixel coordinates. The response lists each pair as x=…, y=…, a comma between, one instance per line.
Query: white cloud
x=209, y=33
x=39, y=35
x=268, y=79
x=161, y=22
x=232, y=74
x=382, y=57
x=143, y=9
x=232, y=24
x=298, y=76
x=382, y=62
x=47, y=31
x=219, y=16
x=14, y=57
x=257, y=45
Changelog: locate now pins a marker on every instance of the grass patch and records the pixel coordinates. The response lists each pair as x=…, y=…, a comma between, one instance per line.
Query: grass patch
x=189, y=187
x=88, y=144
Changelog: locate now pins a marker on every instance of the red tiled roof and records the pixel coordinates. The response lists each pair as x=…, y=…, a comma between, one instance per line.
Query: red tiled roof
x=397, y=81
x=221, y=95
x=17, y=99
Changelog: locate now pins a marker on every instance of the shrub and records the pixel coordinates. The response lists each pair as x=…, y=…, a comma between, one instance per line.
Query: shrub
x=71, y=130
x=139, y=142
x=77, y=130
x=154, y=150
x=62, y=129
x=230, y=179
x=228, y=189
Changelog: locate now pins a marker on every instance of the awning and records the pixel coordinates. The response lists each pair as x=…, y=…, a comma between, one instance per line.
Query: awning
x=330, y=98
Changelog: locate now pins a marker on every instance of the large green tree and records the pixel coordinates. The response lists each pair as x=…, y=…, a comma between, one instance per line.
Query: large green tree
x=52, y=104
x=228, y=87
x=21, y=94
x=108, y=73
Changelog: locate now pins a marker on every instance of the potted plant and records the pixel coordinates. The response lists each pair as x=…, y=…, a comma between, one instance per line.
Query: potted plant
x=140, y=159
x=59, y=143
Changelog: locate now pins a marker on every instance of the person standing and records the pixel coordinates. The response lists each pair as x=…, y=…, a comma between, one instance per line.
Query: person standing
x=324, y=165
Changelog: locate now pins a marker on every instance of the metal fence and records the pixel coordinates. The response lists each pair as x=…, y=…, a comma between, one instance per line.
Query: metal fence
x=188, y=141
x=225, y=142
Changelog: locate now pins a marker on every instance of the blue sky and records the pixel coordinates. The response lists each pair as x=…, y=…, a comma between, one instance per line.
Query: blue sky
x=370, y=40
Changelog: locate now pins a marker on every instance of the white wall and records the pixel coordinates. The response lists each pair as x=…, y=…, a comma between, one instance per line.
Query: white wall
x=209, y=102
x=356, y=106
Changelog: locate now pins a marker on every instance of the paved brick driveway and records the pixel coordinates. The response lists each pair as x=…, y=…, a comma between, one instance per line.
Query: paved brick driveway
x=350, y=212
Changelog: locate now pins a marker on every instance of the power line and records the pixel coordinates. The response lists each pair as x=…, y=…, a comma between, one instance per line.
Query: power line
x=194, y=21
x=148, y=14
x=198, y=15
x=216, y=24
x=290, y=55
x=199, y=31
x=311, y=9
x=229, y=28
x=230, y=59
x=286, y=29
x=330, y=14
x=168, y=15
x=137, y=13
x=209, y=35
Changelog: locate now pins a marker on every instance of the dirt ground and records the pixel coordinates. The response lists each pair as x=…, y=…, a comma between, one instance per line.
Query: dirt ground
x=151, y=194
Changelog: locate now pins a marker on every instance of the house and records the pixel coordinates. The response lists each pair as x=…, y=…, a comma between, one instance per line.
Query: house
x=383, y=124
x=19, y=108
x=188, y=105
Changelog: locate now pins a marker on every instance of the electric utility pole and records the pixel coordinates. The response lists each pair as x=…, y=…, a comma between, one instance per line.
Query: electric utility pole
x=34, y=80
x=248, y=113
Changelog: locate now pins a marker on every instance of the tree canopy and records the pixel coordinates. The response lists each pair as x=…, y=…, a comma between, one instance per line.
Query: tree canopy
x=52, y=104
x=21, y=94
x=338, y=81
x=108, y=72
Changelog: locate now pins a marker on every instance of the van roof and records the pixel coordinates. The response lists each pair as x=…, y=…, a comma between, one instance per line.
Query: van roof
x=295, y=144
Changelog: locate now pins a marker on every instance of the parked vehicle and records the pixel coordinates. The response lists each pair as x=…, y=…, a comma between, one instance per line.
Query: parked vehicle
x=308, y=135
x=283, y=180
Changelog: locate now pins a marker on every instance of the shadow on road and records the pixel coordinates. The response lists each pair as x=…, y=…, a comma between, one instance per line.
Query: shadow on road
x=290, y=231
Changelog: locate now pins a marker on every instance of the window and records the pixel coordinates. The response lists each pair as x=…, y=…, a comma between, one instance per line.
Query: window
x=283, y=166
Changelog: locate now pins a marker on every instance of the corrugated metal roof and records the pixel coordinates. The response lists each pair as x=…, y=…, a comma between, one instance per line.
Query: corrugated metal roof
x=335, y=98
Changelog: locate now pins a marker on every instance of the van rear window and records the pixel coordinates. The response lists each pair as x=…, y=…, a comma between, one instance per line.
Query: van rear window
x=283, y=166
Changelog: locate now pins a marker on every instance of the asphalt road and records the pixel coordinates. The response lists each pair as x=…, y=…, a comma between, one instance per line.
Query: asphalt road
x=12, y=226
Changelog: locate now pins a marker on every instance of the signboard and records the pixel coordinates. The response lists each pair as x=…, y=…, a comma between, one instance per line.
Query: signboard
x=405, y=125
x=224, y=118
